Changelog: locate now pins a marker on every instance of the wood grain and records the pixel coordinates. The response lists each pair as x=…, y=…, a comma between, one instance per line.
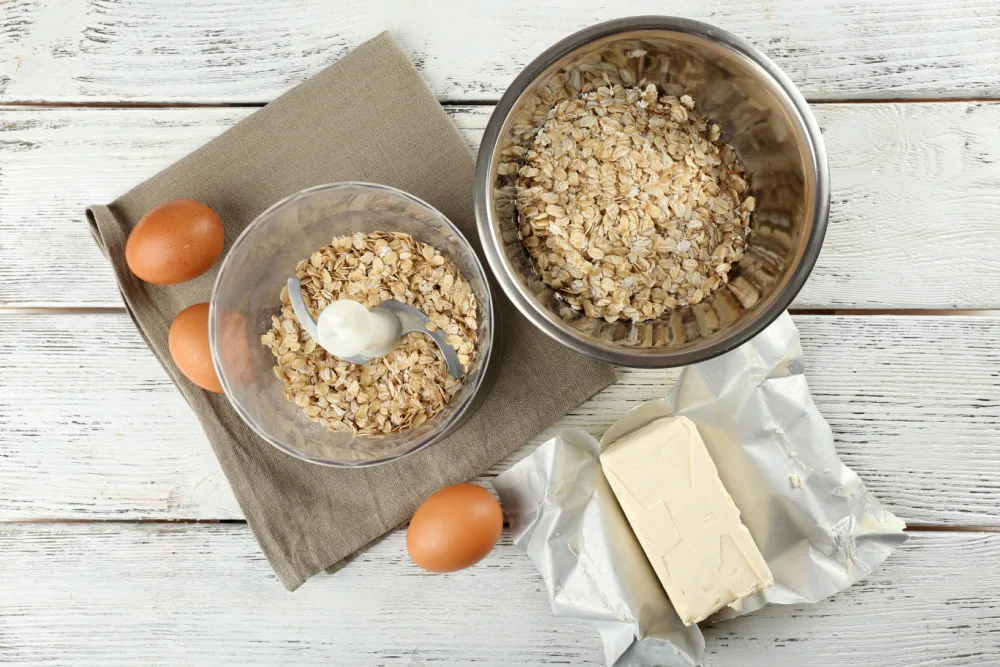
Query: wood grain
x=187, y=51
x=915, y=216
x=93, y=428
x=94, y=595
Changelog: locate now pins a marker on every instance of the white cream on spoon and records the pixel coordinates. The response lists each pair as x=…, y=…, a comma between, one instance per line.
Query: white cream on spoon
x=348, y=330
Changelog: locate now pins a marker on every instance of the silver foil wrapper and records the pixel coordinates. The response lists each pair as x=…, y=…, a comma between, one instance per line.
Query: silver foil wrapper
x=816, y=524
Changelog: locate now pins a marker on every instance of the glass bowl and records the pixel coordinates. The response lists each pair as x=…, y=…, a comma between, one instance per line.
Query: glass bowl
x=247, y=293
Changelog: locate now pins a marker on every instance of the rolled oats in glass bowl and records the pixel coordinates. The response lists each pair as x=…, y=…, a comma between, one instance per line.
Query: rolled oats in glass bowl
x=367, y=243
x=410, y=384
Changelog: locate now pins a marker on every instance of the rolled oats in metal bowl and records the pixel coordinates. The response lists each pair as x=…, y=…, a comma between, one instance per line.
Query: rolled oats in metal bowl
x=652, y=191
x=630, y=202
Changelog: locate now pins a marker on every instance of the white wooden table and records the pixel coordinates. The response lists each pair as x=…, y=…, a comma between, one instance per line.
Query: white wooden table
x=120, y=540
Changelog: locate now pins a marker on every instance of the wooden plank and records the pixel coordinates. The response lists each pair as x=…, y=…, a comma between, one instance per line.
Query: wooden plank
x=915, y=221
x=53, y=163
x=93, y=428
x=166, y=51
x=205, y=595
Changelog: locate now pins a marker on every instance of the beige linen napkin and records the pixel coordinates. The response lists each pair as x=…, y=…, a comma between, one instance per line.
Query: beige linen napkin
x=368, y=117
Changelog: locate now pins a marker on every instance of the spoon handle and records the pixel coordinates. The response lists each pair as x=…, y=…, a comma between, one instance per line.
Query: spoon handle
x=412, y=319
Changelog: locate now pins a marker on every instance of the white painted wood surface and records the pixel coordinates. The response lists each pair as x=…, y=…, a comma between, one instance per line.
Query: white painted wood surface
x=91, y=429
x=190, y=51
x=104, y=434
x=202, y=594
x=915, y=216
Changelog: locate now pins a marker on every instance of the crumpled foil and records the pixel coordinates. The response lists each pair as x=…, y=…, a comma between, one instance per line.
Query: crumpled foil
x=816, y=524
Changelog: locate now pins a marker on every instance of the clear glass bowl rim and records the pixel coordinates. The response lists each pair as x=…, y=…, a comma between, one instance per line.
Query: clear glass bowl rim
x=460, y=410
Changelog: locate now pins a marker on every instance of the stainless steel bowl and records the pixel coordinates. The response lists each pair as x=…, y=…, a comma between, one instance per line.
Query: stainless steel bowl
x=761, y=114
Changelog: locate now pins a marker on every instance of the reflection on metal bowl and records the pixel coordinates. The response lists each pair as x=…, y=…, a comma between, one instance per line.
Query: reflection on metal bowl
x=761, y=114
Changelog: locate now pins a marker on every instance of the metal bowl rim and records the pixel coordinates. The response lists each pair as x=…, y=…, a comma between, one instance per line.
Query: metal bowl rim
x=542, y=318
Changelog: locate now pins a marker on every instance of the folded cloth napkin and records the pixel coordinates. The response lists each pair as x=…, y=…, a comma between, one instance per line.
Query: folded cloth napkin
x=369, y=118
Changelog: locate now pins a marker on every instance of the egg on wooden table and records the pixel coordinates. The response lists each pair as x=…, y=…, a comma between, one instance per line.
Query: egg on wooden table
x=454, y=528
x=175, y=242
x=189, y=348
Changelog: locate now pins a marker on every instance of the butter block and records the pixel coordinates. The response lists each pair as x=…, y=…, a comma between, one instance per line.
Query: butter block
x=685, y=520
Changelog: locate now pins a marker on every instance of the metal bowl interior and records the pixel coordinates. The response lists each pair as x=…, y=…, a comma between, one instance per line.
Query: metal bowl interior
x=246, y=295
x=761, y=114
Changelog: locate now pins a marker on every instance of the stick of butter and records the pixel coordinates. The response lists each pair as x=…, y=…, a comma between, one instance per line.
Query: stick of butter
x=688, y=525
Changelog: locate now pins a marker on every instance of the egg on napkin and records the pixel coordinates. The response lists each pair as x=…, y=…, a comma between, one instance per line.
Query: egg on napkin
x=189, y=348
x=175, y=242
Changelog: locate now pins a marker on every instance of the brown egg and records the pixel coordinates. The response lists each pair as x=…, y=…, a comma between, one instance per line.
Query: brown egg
x=234, y=340
x=176, y=241
x=454, y=528
x=189, y=348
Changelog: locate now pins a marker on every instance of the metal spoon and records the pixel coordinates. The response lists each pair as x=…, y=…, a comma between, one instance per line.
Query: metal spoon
x=410, y=320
